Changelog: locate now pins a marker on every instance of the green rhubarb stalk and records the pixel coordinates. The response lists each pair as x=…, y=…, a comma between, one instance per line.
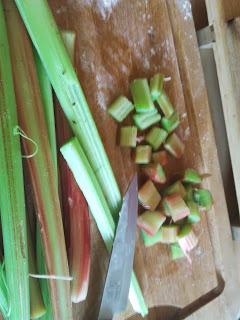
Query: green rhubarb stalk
x=176, y=251
x=37, y=308
x=165, y=104
x=203, y=198
x=41, y=167
x=141, y=96
x=5, y=304
x=171, y=123
x=156, y=137
x=49, y=44
x=12, y=203
x=128, y=136
x=156, y=85
x=88, y=183
x=120, y=108
x=48, y=107
x=192, y=176
x=143, y=154
x=44, y=284
x=144, y=121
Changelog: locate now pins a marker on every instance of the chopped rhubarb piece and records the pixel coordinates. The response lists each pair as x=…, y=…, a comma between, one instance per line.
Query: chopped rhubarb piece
x=151, y=221
x=160, y=157
x=169, y=234
x=192, y=176
x=176, y=251
x=120, y=108
x=165, y=104
x=176, y=187
x=187, y=239
x=151, y=240
x=149, y=196
x=189, y=193
x=156, y=137
x=203, y=198
x=194, y=215
x=156, y=85
x=165, y=211
x=141, y=96
x=144, y=121
x=143, y=154
x=171, y=123
x=128, y=137
x=155, y=172
x=175, y=204
x=174, y=145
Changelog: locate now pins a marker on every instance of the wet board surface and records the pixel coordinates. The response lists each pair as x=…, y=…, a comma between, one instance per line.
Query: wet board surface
x=118, y=41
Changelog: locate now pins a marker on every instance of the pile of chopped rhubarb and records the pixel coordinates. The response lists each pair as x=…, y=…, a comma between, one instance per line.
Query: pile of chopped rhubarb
x=168, y=211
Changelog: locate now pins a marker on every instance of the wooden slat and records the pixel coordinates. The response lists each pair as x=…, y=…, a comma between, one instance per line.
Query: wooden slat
x=227, y=57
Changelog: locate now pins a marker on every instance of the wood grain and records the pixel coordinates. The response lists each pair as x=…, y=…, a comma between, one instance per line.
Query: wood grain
x=231, y=9
x=115, y=45
x=226, y=306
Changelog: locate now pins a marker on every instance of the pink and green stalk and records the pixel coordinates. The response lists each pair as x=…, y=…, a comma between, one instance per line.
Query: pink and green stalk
x=148, y=196
x=175, y=204
x=151, y=221
x=176, y=187
x=169, y=234
x=41, y=167
x=75, y=208
x=150, y=241
x=155, y=172
x=174, y=146
x=160, y=157
x=187, y=240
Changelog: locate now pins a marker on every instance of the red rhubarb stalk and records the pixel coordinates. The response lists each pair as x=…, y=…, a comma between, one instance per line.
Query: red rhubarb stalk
x=77, y=221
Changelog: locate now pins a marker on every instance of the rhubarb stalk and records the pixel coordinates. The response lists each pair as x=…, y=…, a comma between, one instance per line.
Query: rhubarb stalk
x=41, y=167
x=75, y=209
x=50, y=46
x=12, y=203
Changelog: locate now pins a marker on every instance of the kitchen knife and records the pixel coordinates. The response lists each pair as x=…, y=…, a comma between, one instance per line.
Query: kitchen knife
x=116, y=289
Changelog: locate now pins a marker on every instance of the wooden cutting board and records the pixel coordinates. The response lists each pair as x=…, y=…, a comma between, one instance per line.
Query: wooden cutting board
x=117, y=41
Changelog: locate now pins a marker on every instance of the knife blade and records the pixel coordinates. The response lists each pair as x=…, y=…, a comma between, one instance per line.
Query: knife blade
x=116, y=289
